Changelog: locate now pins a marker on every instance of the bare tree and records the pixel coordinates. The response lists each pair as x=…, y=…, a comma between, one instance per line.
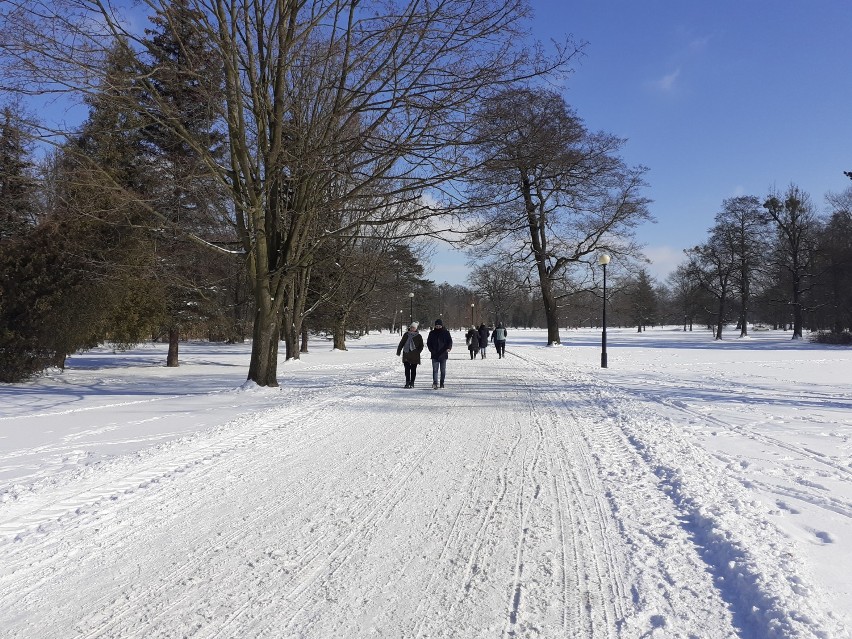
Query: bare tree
x=498, y=282
x=684, y=292
x=742, y=222
x=797, y=228
x=551, y=191
x=322, y=103
x=713, y=266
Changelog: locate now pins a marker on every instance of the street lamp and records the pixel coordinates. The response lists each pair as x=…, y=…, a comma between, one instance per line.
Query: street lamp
x=411, y=312
x=603, y=260
x=471, y=314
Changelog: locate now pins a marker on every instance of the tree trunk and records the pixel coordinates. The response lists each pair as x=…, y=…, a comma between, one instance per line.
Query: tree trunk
x=340, y=332
x=59, y=360
x=744, y=298
x=797, y=307
x=550, y=313
x=294, y=315
x=174, y=341
x=304, y=348
x=263, y=366
x=720, y=320
x=538, y=243
x=292, y=330
x=297, y=324
x=291, y=342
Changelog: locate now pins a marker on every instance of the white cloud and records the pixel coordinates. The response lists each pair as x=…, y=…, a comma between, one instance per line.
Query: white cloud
x=699, y=44
x=664, y=261
x=667, y=82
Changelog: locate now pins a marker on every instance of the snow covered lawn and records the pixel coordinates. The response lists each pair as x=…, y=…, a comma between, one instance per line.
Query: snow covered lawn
x=692, y=489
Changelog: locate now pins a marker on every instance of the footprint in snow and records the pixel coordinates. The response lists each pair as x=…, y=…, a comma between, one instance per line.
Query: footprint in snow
x=784, y=506
x=824, y=537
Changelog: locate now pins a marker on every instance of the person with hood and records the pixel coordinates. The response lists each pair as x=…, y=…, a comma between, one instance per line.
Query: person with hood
x=499, y=339
x=483, y=339
x=439, y=343
x=472, y=339
x=410, y=347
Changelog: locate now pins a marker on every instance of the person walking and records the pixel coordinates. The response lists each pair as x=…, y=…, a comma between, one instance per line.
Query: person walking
x=410, y=347
x=499, y=339
x=439, y=343
x=472, y=339
x=483, y=339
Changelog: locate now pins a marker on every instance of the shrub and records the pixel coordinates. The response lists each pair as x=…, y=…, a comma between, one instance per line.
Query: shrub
x=828, y=337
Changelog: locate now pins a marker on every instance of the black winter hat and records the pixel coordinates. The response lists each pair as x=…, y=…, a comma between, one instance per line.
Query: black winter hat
x=439, y=322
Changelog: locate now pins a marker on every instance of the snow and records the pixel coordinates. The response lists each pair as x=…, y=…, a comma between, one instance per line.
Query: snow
x=693, y=488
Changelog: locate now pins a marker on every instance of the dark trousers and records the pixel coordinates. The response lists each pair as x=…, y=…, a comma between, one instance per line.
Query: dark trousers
x=410, y=372
x=500, y=345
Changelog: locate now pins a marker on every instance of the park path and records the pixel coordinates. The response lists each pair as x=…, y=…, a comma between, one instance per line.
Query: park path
x=519, y=501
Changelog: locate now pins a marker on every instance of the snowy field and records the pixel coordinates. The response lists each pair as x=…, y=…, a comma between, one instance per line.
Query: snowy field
x=693, y=489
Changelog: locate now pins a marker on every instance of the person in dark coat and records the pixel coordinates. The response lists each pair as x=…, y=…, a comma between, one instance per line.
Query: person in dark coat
x=472, y=339
x=483, y=339
x=499, y=339
x=439, y=343
x=410, y=347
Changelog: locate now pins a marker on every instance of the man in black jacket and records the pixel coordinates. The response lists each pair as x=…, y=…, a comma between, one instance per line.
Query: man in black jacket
x=439, y=343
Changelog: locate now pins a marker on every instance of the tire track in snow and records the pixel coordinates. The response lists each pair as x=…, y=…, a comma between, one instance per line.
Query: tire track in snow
x=523, y=517
x=741, y=549
x=316, y=560
x=456, y=529
x=596, y=570
x=234, y=440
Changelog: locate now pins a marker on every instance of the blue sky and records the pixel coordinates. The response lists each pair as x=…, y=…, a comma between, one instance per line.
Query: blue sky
x=717, y=99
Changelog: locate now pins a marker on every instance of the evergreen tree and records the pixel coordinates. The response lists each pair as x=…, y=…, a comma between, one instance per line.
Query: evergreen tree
x=185, y=75
x=17, y=186
x=836, y=243
x=641, y=300
x=40, y=286
x=104, y=177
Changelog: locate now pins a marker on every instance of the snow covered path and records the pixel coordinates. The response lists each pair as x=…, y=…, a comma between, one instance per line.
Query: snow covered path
x=527, y=499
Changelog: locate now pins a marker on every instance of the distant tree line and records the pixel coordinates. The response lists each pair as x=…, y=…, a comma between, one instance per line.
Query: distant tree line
x=774, y=261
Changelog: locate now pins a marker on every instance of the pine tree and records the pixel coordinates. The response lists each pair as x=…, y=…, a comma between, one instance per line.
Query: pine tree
x=185, y=80
x=17, y=186
x=106, y=176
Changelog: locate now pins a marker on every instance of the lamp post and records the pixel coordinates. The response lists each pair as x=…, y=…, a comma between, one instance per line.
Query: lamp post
x=400, y=321
x=471, y=314
x=603, y=260
x=411, y=311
